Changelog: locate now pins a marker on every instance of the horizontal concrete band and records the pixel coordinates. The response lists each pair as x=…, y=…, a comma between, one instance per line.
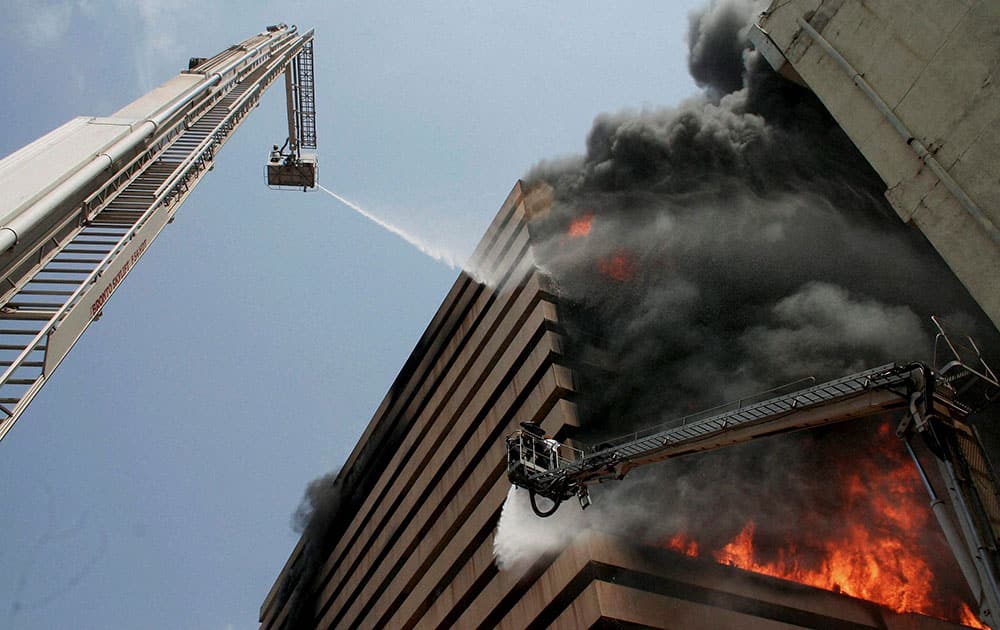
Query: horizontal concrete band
x=474, y=569
x=504, y=239
x=416, y=445
x=429, y=507
x=670, y=587
x=503, y=401
x=442, y=324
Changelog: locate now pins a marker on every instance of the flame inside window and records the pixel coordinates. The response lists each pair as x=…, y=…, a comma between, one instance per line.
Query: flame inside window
x=619, y=266
x=877, y=554
x=580, y=226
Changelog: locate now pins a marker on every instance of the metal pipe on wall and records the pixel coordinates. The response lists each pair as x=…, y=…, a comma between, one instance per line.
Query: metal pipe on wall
x=925, y=156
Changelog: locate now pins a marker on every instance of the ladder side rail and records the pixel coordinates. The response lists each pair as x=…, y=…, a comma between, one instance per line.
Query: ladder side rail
x=970, y=506
x=19, y=271
x=34, y=217
x=170, y=197
x=46, y=246
x=737, y=414
x=306, y=106
x=102, y=265
x=293, y=141
x=206, y=148
x=869, y=391
x=63, y=235
x=849, y=407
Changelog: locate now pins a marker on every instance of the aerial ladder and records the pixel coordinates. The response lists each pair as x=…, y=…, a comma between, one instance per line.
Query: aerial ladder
x=82, y=204
x=934, y=404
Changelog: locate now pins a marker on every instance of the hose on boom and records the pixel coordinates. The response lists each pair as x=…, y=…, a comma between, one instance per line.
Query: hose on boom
x=539, y=512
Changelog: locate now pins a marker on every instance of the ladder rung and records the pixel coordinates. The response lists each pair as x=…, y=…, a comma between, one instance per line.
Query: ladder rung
x=101, y=233
x=109, y=244
x=35, y=305
x=43, y=316
x=73, y=282
x=37, y=364
x=92, y=261
x=81, y=250
x=20, y=381
x=43, y=292
x=8, y=346
x=17, y=331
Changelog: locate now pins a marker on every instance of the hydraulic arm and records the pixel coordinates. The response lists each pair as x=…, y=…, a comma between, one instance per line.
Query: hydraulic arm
x=82, y=204
x=858, y=395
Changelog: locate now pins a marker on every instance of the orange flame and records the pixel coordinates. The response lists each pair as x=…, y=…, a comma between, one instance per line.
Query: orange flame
x=580, y=226
x=682, y=544
x=861, y=565
x=969, y=618
x=618, y=267
x=877, y=554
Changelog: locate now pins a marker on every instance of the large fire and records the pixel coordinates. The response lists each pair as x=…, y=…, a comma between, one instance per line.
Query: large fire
x=878, y=554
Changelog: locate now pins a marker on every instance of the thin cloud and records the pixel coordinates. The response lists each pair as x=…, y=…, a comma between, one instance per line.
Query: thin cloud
x=156, y=38
x=40, y=24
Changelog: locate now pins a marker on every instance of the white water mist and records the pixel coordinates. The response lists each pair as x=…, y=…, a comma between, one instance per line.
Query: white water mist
x=521, y=537
x=437, y=253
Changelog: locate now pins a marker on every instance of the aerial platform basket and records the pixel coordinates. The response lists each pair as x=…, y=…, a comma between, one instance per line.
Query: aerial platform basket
x=289, y=171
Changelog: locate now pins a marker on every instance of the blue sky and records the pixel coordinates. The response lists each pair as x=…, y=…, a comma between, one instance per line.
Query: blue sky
x=151, y=483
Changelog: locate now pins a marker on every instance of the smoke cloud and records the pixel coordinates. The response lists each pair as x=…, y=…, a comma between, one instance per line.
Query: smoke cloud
x=314, y=519
x=735, y=242
x=708, y=251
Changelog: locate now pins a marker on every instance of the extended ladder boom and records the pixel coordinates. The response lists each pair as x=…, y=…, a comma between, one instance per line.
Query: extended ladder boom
x=858, y=395
x=935, y=405
x=83, y=204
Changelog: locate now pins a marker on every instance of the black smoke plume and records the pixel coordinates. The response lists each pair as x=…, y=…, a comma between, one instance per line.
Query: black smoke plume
x=737, y=241
x=730, y=244
x=315, y=519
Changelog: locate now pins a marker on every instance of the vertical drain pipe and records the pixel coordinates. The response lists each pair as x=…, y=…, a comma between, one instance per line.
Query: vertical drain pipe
x=925, y=156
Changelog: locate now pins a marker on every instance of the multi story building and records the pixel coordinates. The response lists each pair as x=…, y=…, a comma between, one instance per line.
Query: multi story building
x=411, y=544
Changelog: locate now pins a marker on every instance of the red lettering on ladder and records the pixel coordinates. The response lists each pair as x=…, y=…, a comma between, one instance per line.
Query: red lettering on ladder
x=99, y=303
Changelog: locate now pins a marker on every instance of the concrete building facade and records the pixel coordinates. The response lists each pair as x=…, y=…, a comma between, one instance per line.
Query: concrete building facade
x=413, y=543
x=420, y=541
x=914, y=85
